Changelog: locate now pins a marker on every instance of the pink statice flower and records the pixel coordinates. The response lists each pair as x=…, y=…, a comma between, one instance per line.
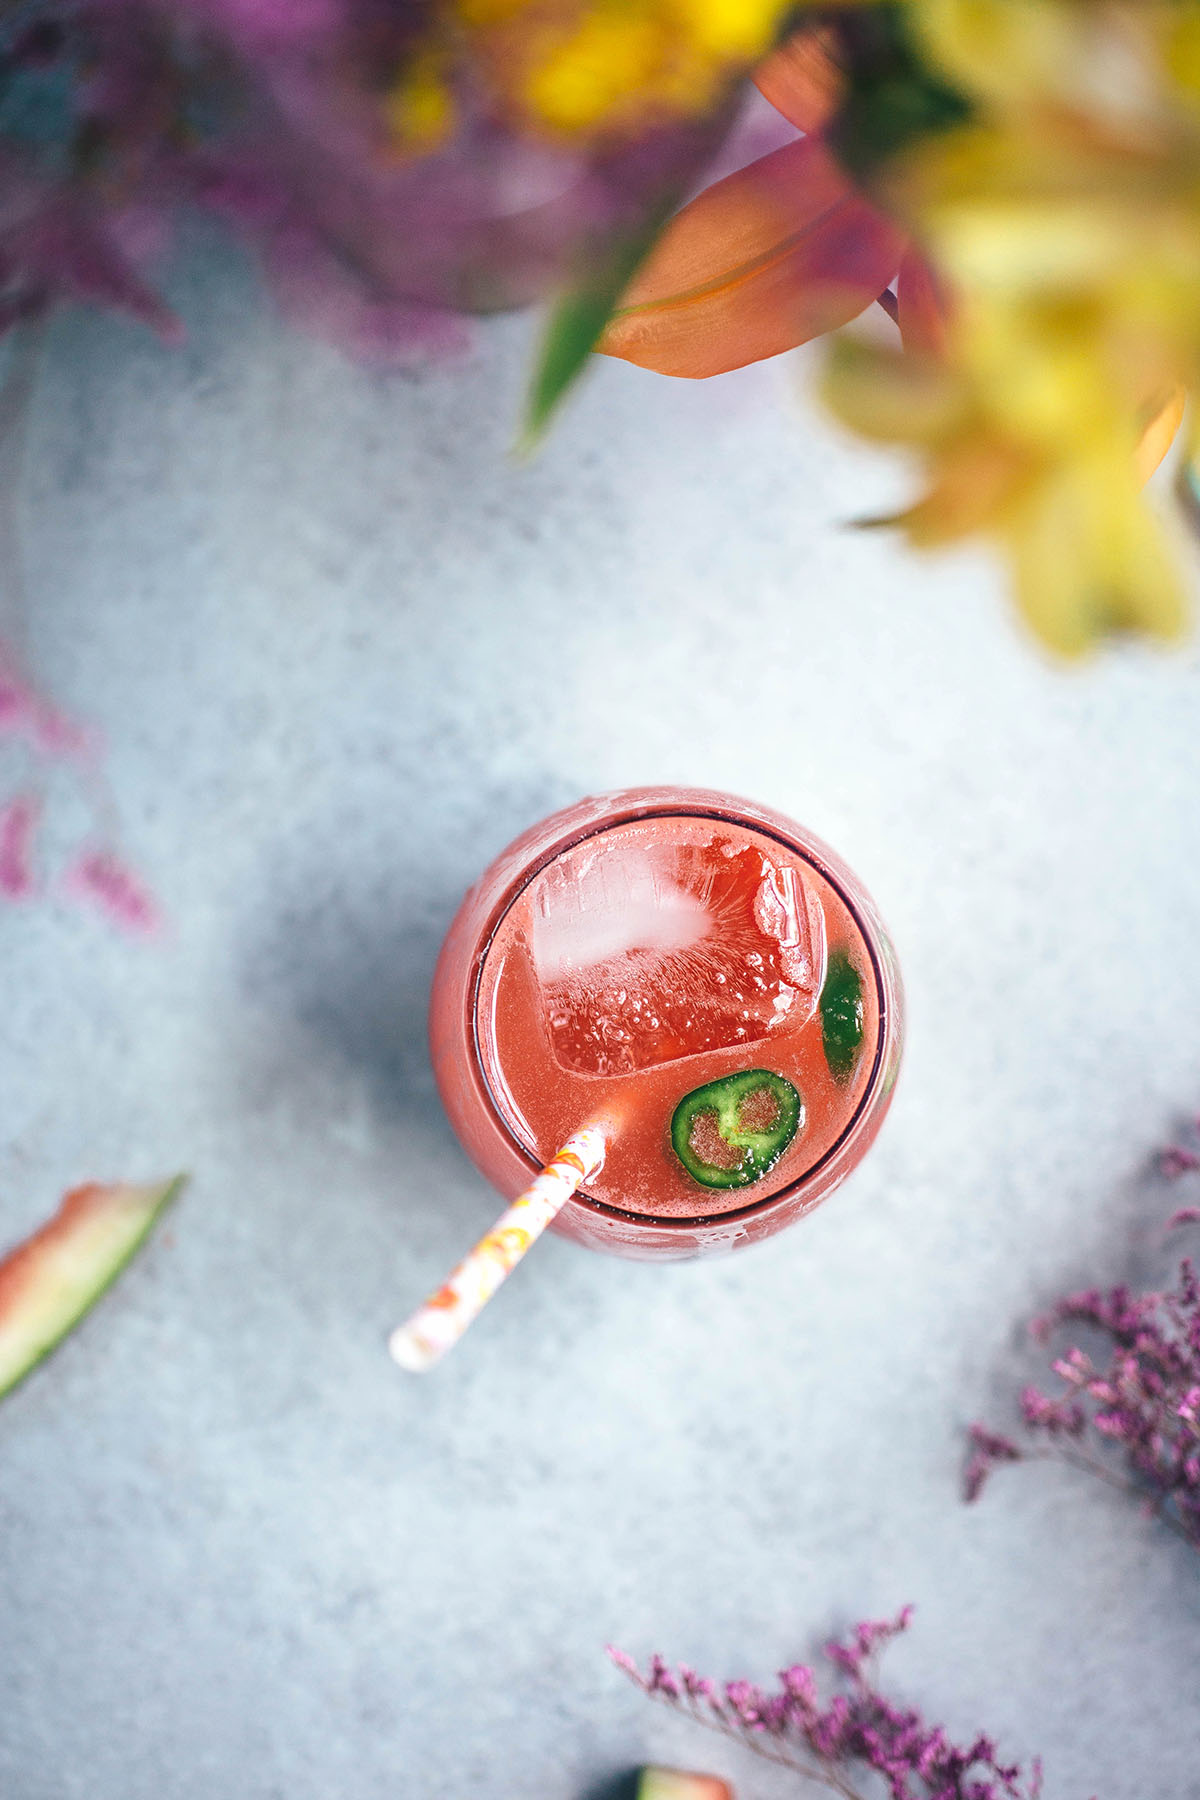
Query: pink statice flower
x=18, y=703
x=27, y=714
x=19, y=819
x=56, y=734
x=854, y=1731
x=100, y=878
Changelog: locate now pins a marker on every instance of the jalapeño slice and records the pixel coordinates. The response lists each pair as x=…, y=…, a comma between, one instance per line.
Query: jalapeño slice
x=842, y=1016
x=730, y=1132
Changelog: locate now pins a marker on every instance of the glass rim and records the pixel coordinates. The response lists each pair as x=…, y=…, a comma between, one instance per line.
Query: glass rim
x=673, y=809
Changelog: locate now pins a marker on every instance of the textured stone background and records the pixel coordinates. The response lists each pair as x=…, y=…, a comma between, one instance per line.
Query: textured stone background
x=330, y=631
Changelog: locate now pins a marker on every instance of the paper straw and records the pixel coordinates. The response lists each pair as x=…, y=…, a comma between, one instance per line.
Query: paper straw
x=441, y=1321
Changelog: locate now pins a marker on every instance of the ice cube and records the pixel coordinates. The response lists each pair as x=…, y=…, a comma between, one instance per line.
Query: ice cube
x=647, y=953
x=612, y=906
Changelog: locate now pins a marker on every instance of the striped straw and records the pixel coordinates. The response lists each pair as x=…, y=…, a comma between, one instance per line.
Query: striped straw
x=441, y=1321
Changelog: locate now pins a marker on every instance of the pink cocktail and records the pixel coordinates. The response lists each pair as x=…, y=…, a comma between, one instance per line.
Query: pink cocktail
x=639, y=950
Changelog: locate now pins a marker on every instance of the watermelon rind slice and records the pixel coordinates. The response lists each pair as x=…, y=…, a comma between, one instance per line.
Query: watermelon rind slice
x=681, y=1784
x=51, y=1280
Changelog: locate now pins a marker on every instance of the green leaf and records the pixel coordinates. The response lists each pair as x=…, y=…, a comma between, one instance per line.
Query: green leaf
x=893, y=95
x=842, y=1015
x=578, y=320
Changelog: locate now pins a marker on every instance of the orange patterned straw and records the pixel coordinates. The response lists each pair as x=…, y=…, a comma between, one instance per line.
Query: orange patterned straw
x=443, y=1318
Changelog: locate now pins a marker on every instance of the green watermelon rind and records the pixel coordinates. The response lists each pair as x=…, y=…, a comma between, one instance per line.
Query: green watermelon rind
x=43, y=1299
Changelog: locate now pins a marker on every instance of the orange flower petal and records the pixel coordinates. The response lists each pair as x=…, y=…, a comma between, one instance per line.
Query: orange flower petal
x=922, y=307
x=802, y=80
x=772, y=256
x=1159, y=433
x=970, y=493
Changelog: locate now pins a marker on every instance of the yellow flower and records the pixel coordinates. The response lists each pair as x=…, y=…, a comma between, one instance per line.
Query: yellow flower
x=1088, y=555
x=586, y=68
x=580, y=69
x=1064, y=225
x=607, y=60
x=1022, y=54
x=420, y=110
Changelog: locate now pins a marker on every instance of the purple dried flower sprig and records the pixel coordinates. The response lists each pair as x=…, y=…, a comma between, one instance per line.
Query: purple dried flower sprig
x=854, y=1731
x=1140, y=1398
x=1182, y=1159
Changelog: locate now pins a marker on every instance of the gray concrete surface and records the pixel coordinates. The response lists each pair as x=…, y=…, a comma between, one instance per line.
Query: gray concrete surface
x=324, y=621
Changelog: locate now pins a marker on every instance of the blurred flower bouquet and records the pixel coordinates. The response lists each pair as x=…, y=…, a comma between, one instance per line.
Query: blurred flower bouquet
x=1017, y=182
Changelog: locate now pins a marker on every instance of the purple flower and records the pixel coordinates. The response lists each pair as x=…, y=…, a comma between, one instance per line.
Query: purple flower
x=1131, y=1413
x=987, y=1449
x=661, y=1680
x=280, y=116
x=856, y=1731
x=622, y=1659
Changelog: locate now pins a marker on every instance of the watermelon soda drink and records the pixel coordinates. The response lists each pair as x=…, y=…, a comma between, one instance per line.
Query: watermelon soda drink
x=698, y=973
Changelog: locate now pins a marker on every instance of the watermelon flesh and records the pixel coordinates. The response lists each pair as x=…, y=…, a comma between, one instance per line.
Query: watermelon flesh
x=679, y=1784
x=51, y=1280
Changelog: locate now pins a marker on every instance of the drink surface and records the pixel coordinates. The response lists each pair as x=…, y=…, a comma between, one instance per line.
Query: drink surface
x=657, y=956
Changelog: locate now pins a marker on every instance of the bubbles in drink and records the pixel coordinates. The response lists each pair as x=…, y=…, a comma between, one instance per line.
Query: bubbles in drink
x=645, y=953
